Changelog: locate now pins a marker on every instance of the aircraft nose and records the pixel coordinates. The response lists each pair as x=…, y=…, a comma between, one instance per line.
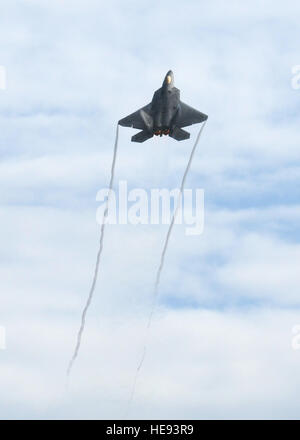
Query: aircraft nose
x=169, y=78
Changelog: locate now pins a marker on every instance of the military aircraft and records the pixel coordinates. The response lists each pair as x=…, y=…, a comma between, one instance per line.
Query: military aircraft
x=165, y=115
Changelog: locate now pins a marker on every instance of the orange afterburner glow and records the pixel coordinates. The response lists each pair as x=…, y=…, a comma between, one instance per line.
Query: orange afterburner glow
x=161, y=132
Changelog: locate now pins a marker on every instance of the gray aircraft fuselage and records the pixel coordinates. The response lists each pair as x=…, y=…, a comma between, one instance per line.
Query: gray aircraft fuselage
x=165, y=105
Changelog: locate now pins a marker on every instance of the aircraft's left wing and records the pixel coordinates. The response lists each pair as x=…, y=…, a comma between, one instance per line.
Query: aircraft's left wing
x=188, y=116
x=138, y=119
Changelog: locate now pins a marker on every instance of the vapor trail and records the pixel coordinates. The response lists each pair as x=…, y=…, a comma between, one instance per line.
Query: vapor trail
x=90, y=296
x=163, y=254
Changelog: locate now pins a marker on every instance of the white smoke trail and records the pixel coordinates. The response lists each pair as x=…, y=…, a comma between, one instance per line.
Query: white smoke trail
x=162, y=258
x=90, y=296
x=163, y=254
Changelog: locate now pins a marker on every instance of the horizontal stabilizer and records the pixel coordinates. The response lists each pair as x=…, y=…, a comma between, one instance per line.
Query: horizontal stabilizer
x=179, y=134
x=142, y=136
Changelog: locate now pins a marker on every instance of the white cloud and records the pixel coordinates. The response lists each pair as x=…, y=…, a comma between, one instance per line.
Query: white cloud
x=199, y=364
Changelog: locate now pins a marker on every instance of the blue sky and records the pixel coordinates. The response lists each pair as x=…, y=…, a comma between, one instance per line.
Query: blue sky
x=220, y=343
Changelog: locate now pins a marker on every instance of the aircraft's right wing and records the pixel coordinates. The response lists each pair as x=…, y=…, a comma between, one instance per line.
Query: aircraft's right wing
x=188, y=116
x=139, y=119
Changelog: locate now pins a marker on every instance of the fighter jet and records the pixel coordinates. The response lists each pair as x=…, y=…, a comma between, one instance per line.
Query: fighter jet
x=165, y=115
